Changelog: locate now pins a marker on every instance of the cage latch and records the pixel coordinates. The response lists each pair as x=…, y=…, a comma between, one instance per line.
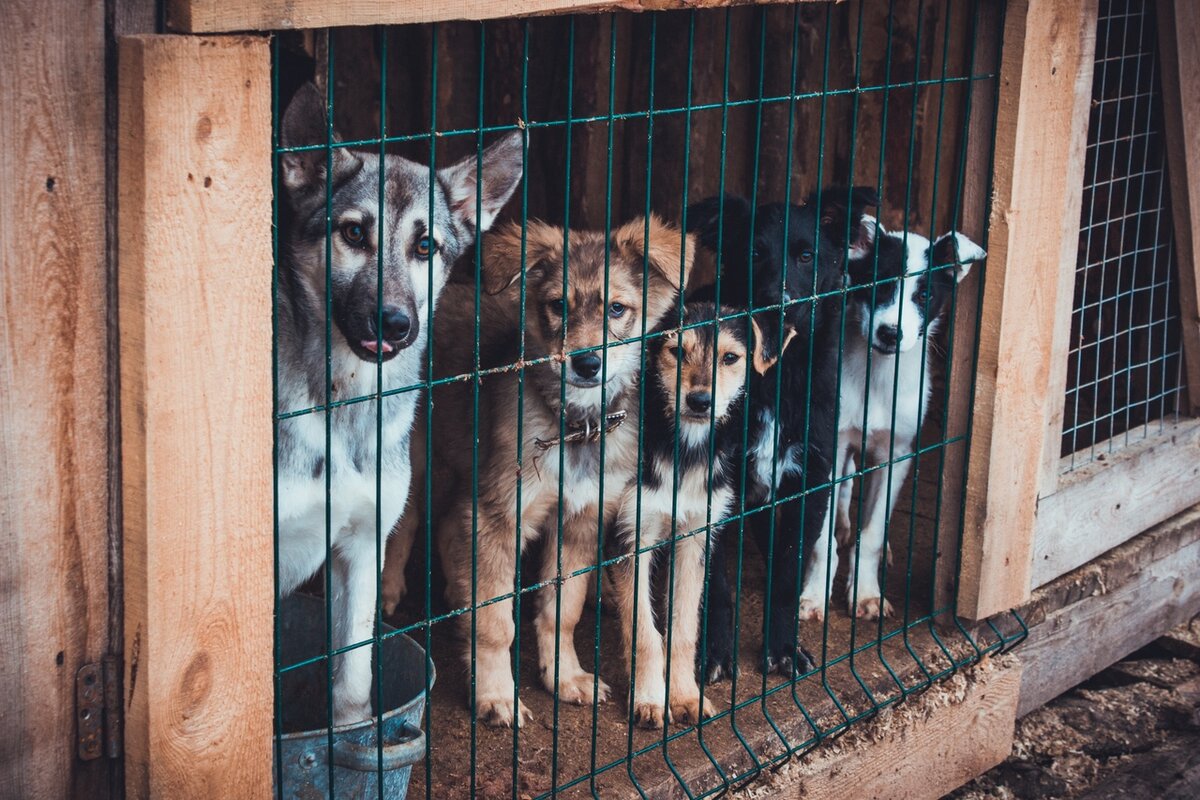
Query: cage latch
x=98, y=709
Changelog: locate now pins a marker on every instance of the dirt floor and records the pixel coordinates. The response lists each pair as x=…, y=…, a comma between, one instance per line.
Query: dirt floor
x=1133, y=731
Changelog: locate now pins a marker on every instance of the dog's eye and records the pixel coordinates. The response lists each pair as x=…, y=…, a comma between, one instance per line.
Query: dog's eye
x=806, y=257
x=755, y=254
x=555, y=307
x=425, y=246
x=674, y=351
x=354, y=233
x=730, y=358
x=616, y=310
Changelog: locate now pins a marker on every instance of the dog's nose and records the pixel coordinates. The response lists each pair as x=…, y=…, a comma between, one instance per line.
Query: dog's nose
x=699, y=401
x=396, y=323
x=586, y=365
x=888, y=335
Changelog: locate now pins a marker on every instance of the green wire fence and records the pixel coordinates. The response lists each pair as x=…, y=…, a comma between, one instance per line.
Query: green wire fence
x=622, y=116
x=1125, y=372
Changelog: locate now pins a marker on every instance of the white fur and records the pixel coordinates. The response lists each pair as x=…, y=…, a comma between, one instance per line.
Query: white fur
x=885, y=397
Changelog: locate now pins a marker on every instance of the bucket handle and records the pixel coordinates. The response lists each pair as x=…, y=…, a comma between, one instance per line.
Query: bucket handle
x=365, y=757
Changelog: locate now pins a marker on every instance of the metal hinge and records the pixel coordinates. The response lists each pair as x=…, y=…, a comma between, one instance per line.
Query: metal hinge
x=98, y=709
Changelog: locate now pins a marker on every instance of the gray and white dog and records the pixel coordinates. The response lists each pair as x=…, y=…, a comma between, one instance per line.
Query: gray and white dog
x=347, y=477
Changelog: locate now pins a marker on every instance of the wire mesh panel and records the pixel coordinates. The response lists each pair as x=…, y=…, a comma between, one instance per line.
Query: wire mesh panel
x=588, y=331
x=1124, y=367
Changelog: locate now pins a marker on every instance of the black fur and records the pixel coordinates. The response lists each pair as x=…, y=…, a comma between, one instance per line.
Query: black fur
x=753, y=256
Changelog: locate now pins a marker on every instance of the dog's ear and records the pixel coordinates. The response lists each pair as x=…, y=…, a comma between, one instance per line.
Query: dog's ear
x=767, y=346
x=502, y=253
x=668, y=255
x=305, y=124
x=954, y=248
x=503, y=165
x=844, y=220
x=725, y=218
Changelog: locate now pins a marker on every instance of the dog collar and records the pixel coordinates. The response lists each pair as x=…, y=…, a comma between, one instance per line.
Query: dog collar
x=587, y=429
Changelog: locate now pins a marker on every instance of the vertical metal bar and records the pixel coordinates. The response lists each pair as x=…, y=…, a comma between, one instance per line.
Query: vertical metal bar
x=428, y=493
x=380, y=533
x=521, y=318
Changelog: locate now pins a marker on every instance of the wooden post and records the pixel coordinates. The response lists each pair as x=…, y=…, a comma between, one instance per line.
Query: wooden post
x=1035, y=208
x=53, y=439
x=195, y=312
x=1179, y=24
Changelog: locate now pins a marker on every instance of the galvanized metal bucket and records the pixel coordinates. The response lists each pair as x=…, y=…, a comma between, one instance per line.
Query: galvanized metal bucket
x=305, y=760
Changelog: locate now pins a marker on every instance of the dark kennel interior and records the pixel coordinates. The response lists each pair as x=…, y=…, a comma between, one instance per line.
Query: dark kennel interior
x=627, y=113
x=1125, y=372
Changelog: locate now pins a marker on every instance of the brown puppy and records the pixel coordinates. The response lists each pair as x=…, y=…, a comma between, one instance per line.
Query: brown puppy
x=586, y=379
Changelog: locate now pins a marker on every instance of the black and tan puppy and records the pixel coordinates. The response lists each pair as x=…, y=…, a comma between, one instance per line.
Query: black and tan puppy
x=693, y=414
x=794, y=259
x=584, y=337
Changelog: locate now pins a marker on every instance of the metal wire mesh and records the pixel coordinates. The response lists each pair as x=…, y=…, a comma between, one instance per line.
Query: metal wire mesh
x=619, y=116
x=1124, y=366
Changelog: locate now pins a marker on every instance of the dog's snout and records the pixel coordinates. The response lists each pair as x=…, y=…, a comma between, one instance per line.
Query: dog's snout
x=396, y=324
x=699, y=401
x=888, y=335
x=586, y=365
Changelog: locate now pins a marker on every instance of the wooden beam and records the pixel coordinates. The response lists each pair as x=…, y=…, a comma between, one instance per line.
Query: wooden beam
x=918, y=750
x=212, y=16
x=195, y=312
x=1179, y=23
x=1095, y=616
x=1068, y=256
x=53, y=441
x=1102, y=504
x=1043, y=44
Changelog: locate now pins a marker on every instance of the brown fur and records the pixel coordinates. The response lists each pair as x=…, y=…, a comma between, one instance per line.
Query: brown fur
x=668, y=255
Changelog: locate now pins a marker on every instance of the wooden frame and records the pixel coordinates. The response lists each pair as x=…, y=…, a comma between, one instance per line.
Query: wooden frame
x=196, y=408
x=195, y=309
x=54, y=381
x=1048, y=51
x=213, y=16
x=1096, y=615
x=1086, y=511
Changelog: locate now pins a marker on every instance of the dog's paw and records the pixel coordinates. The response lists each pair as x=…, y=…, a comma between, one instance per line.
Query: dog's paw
x=499, y=712
x=717, y=663
x=650, y=715
x=788, y=660
x=720, y=668
x=580, y=689
x=872, y=608
x=689, y=708
x=811, y=610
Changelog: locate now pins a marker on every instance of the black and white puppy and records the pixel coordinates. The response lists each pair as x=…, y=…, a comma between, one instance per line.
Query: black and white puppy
x=786, y=263
x=695, y=379
x=901, y=285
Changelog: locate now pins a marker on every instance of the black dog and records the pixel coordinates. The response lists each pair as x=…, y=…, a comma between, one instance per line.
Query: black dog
x=786, y=263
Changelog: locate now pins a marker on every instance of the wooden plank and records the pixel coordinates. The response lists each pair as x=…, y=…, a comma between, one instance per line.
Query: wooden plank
x=1043, y=40
x=1098, y=614
x=53, y=470
x=195, y=311
x=960, y=371
x=1179, y=22
x=1104, y=503
x=964, y=728
x=1060, y=344
x=212, y=16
